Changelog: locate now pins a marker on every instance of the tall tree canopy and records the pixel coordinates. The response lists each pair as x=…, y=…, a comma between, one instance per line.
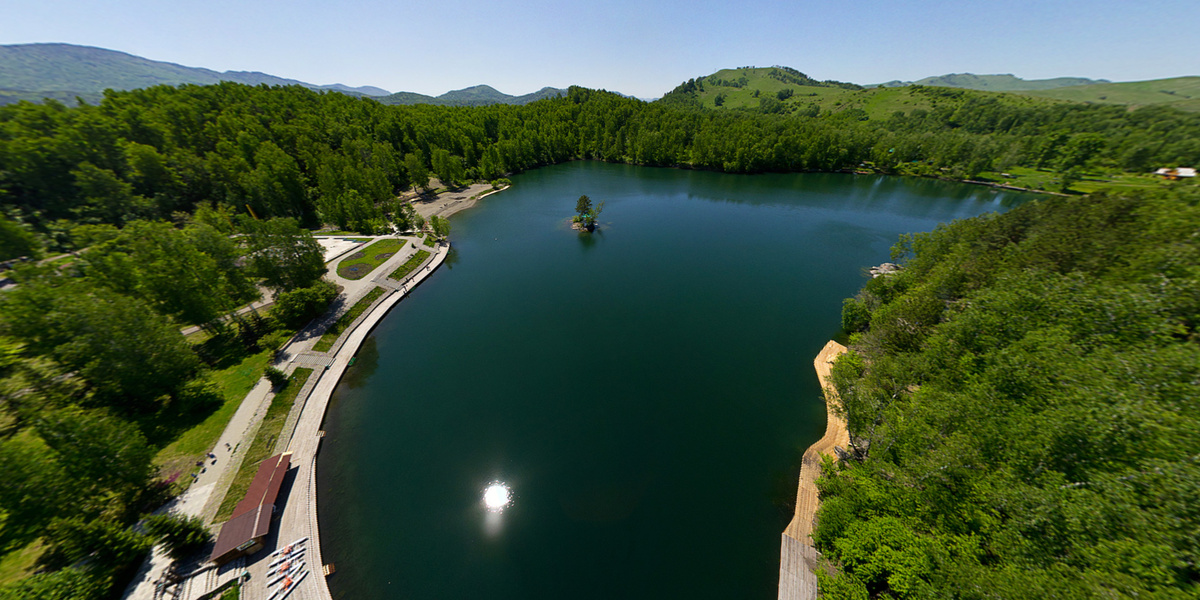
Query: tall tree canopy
x=292, y=152
x=1022, y=397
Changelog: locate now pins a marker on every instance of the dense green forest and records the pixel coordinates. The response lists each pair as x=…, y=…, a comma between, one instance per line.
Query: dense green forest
x=188, y=200
x=1023, y=409
x=96, y=378
x=292, y=152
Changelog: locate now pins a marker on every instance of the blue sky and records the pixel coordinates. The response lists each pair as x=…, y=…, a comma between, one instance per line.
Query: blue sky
x=643, y=48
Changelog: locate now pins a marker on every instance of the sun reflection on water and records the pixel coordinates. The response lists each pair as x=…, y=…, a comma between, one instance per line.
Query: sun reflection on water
x=497, y=497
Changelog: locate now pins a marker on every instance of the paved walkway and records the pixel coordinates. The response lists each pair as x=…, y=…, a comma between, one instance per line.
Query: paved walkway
x=299, y=517
x=797, y=556
x=205, y=495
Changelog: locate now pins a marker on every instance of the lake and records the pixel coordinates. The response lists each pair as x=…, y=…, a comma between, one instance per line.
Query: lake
x=644, y=391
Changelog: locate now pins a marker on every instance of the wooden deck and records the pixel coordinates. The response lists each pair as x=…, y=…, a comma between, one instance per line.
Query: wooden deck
x=797, y=556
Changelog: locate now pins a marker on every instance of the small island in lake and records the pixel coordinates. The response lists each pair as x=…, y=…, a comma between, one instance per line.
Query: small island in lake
x=586, y=214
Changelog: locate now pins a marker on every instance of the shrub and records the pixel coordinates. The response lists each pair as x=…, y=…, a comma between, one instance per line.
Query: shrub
x=499, y=183
x=855, y=315
x=298, y=307
x=274, y=341
x=277, y=378
x=181, y=535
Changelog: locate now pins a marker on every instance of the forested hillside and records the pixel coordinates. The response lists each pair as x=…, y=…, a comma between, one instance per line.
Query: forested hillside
x=1022, y=401
x=1078, y=314
x=103, y=402
x=292, y=152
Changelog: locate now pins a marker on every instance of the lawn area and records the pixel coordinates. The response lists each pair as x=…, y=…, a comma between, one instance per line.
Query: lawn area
x=20, y=562
x=335, y=330
x=234, y=382
x=359, y=264
x=429, y=241
x=264, y=441
x=412, y=263
x=1048, y=180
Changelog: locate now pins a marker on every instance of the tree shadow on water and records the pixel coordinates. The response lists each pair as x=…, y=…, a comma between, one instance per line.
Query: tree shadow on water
x=366, y=362
x=589, y=240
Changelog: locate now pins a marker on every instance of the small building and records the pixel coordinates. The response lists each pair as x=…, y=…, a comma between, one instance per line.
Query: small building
x=250, y=522
x=1176, y=174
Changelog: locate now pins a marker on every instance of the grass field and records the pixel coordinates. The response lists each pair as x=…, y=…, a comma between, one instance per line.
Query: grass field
x=264, y=441
x=877, y=103
x=412, y=263
x=361, y=263
x=429, y=241
x=1180, y=92
x=234, y=382
x=20, y=562
x=331, y=335
x=1091, y=182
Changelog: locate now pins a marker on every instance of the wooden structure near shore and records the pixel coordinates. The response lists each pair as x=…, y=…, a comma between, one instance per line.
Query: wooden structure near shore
x=797, y=556
x=250, y=523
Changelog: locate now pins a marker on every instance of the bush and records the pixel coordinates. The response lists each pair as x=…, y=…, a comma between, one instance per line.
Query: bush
x=181, y=535
x=298, y=307
x=499, y=183
x=855, y=315
x=108, y=545
x=198, y=396
x=275, y=340
x=277, y=378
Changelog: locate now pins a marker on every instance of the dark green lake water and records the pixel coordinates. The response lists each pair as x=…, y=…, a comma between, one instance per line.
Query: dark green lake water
x=646, y=391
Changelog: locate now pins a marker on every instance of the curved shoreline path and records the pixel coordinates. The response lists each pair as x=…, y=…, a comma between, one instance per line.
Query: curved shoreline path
x=299, y=518
x=301, y=435
x=797, y=556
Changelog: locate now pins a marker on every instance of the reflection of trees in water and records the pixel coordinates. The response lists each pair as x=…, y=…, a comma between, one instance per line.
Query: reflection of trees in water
x=451, y=257
x=590, y=239
x=366, y=362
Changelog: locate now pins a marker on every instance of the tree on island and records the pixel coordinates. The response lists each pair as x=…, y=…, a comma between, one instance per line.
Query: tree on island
x=586, y=213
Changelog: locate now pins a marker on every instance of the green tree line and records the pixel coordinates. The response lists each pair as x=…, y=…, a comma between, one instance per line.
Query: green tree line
x=293, y=152
x=1023, y=409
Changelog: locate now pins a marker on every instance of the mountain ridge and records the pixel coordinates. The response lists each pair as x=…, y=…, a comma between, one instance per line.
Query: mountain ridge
x=59, y=67
x=476, y=95
x=65, y=72
x=1003, y=82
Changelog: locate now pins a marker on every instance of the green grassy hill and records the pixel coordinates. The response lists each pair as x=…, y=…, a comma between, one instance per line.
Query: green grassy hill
x=784, y=90
x=1179, y=92
x=996, y=83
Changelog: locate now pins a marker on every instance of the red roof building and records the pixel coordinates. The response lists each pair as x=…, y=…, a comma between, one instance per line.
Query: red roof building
x=250, y=523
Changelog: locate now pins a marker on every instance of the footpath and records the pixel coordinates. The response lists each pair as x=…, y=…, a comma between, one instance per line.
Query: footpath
x=301, y=435
x=797, y=556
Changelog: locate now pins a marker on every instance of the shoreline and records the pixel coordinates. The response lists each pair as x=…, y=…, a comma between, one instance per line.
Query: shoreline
x=300, y=519
x=449, y=203
x=302, y=435
x=305, y=436
x=797, y=556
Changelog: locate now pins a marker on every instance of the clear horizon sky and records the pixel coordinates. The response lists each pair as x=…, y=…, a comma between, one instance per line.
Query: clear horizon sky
x=641, y=48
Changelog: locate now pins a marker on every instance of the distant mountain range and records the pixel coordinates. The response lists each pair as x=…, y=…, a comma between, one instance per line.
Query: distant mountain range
x=66, y=71
x=478, y=95
x=995, y=83
x=63, y=71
